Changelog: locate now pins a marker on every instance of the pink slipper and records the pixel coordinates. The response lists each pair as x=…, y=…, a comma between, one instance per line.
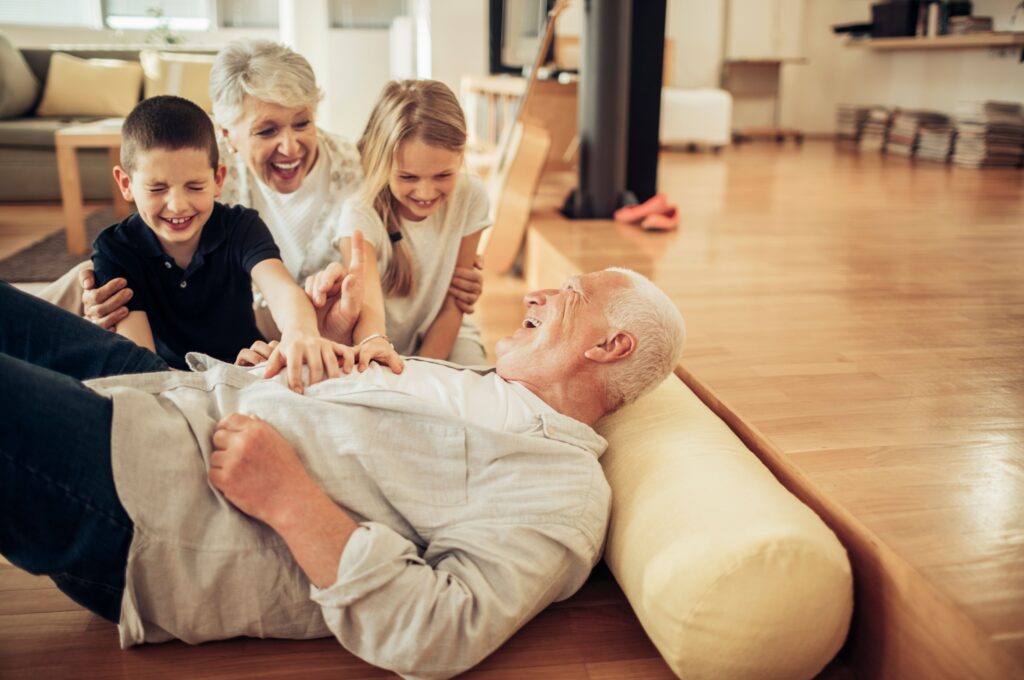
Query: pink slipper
x=664, y=221
x=631, y=214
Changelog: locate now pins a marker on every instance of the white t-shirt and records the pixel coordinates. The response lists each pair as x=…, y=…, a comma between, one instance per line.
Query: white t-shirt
x=292, y=218
x=433, y=244
x=486, y=400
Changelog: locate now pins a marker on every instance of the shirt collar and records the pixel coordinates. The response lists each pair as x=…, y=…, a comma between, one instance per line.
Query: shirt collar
x=149, y=245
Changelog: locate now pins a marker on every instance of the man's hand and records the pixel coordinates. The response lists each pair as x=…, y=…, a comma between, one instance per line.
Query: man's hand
x=319, y=354
x=467, y=285
x=337, y=294
x=257, y=470
x=105, y=306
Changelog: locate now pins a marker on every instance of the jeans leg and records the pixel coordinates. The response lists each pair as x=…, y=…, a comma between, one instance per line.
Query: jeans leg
x=45, y=335
x=59, y=510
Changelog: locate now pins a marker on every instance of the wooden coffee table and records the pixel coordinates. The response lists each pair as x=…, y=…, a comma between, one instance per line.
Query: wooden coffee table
x=103, y=134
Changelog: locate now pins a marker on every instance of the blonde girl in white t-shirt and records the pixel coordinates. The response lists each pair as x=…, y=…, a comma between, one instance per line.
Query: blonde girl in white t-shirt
x=421, y=217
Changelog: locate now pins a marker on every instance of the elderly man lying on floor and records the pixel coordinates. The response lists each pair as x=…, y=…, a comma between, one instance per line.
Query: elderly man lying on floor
x=421, y=518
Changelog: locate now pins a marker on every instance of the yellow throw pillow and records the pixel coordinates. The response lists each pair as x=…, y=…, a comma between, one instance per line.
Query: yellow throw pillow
x=90, y=87
x=184, y=75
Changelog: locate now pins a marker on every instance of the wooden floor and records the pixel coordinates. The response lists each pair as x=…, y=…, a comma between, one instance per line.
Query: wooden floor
x=864, y=318
x=863, y=315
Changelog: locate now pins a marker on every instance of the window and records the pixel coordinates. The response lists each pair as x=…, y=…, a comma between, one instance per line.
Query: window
x=248, y=13
x=175, y=15
x=366, y=13
x=51, y=13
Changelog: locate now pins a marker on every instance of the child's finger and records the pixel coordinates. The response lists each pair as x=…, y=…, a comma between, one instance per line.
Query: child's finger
x=275, y=363
x=347, y=356
x=478, y=262
x=395, y=363
x=294, y=369
x=330, y=360
x=357, y=259
x=315, y=361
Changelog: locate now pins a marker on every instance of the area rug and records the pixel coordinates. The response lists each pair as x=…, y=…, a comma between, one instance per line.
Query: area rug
x=48, y=259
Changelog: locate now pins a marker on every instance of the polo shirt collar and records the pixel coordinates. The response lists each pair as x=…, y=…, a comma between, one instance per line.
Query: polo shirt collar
x=212, y=237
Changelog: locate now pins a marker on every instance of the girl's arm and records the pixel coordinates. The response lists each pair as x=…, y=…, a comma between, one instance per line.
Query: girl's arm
x=440, y=337
x=136, y=328
x=371, y=318
x=294, y=315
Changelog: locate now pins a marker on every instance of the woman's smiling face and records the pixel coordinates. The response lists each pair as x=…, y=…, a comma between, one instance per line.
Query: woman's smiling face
x=277, y=142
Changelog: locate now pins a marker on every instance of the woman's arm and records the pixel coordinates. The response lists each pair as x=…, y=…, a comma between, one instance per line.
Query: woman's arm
x=440, y=337
x=136, y=328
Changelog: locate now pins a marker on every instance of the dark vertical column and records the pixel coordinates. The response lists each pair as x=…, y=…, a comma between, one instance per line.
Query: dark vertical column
x=603, y=108
x=646, y=73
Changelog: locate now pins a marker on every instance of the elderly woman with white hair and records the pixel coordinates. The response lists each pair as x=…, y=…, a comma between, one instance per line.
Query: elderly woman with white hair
x=279, y=163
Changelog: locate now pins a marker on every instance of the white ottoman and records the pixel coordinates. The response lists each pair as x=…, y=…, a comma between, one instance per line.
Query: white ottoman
x=696, y=117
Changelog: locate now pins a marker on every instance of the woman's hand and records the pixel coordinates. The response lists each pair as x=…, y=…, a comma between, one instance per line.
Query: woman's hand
x=467, y=285
x=325, y=358
x=105, y=306
x=257, y=354
x=381, y=350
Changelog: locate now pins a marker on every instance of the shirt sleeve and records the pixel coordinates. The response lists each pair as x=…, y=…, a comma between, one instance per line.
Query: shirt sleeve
x=473, y=588
x=254, y=240
x=478, y=212
x=357, y=215
x=109, y=261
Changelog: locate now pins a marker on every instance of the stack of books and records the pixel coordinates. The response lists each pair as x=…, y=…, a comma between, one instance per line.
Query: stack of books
x=989, y=134
x=876, y=129
x=903, y=135
x=935, y=141
x=966, y=25
x=850, y=119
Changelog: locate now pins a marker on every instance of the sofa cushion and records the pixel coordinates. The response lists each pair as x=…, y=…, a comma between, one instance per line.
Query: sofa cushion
x=90, y=87
x=730, y=575
x=182, y=74
x=18, y=86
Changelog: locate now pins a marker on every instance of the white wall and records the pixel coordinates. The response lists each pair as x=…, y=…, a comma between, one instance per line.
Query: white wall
x=458, y=37
x=697, y=30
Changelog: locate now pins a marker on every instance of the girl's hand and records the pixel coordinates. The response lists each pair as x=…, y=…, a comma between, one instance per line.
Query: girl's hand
x=379, y=349
x=337, y=294
x=319, y=354
x=467, y=285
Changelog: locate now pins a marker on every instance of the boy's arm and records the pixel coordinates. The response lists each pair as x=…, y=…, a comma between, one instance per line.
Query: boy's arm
x=136, y=328
x=440, y=337
x=294, y=315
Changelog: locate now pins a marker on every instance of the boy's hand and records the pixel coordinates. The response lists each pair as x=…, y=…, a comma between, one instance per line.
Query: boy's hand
x=467, y=285
x=319, y=354
x=337, y=295
x=381, y=351
x=105, y=306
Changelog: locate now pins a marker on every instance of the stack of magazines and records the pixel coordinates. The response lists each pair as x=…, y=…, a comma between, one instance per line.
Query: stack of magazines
x=850, y=119
x=903, y=135
x=875, y=130
x=989, y=134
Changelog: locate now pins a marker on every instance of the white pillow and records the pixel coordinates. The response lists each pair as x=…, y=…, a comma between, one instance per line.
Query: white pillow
x=18, y=85
x=184, y=75
x=90, y=87
x=730, y=575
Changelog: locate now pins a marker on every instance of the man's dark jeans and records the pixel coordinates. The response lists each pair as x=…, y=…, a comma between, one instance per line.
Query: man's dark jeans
x=59, y=511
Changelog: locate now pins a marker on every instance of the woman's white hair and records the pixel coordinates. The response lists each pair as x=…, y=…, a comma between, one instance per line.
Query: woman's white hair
x=264, y=70
x=646, y=312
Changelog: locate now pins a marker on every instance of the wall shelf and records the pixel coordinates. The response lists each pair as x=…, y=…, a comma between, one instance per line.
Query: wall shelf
x=940, y=42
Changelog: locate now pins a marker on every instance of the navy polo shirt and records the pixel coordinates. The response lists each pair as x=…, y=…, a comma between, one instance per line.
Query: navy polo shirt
x=206, y=307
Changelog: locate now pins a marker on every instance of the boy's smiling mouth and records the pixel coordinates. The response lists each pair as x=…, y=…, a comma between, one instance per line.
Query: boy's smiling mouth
x=178, y=223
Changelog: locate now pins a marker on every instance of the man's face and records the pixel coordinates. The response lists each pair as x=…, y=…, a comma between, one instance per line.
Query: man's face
x=559, y=325
x=277, y=142
x=174, y=191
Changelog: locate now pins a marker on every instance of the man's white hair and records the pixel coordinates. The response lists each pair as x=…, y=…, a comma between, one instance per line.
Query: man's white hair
x=645, y=311
x=264, y=70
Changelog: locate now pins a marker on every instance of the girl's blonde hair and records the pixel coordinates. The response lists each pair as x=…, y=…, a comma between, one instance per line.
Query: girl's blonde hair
x=425, y=110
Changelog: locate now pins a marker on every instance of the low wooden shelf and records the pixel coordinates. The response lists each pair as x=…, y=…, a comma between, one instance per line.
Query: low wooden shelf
x=940, y=42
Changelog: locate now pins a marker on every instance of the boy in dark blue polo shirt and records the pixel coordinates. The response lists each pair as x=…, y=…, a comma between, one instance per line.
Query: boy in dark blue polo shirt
x=191, y=261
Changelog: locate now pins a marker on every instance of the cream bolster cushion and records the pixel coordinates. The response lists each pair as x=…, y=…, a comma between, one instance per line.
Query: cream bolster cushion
x=90, y=87
x=730, y=575
x=181, y=74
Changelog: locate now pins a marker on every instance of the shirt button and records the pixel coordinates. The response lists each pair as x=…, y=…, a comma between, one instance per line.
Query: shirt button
x=184, y=283
x=167, y=264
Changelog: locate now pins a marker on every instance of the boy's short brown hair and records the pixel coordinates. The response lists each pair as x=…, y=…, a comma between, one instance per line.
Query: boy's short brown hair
x=167, y=122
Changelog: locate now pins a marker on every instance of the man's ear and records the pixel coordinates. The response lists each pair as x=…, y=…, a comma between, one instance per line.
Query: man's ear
x=124, y=182
x=616, y=346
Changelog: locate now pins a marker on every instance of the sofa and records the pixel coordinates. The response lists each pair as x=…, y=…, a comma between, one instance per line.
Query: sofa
x=28, y=162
